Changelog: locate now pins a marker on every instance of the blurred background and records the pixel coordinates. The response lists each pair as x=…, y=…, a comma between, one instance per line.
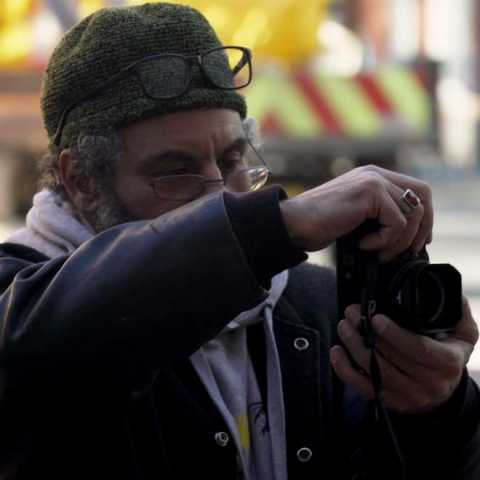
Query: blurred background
x=337, y=84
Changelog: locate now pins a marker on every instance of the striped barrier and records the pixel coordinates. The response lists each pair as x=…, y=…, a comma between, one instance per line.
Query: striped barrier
x=366, y=105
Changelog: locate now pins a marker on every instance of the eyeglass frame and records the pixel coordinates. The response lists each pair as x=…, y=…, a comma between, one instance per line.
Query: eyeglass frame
x=214, y=181
x=247, y=57
x=205, y=181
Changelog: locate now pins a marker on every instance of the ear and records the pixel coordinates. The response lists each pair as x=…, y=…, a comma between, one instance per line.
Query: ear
x=76, y=186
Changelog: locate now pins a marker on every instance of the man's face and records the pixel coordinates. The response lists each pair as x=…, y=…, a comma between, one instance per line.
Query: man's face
x=201, y=142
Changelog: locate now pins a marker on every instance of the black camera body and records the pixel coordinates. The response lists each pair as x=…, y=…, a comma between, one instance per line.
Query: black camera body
x=422, y=297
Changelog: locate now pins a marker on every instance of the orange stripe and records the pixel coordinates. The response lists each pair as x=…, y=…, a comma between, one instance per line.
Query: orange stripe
x=374, y=93
x=319, y=104
x=272, y=125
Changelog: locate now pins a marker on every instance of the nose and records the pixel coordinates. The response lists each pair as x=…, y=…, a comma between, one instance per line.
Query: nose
x=211, y=171
x=213, y=179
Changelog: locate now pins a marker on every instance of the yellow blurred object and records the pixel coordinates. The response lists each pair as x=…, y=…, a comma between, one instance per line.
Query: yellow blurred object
x=284, y=31
x=281, y=30
x=86, y=7
x=15, y=43
x=13, y=10
x=16, y=39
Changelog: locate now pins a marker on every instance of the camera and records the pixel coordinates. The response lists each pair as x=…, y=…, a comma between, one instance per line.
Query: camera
x=422, y=297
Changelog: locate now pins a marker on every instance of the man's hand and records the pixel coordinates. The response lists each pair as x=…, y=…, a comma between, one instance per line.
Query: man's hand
x=319, y=216
x=419, y=373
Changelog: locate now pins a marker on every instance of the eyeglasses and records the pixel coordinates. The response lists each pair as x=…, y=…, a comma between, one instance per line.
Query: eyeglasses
x=167, y=76
x=189, y=187
x=242, y=177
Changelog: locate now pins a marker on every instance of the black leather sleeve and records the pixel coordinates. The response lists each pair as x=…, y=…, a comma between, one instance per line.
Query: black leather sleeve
x=257, y=221
x=146, y=292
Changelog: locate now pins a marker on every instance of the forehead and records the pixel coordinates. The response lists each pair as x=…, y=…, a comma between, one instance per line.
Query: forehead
x=197, y=129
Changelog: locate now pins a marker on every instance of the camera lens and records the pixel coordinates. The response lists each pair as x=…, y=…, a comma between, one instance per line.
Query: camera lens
x=430, y=297
x=426, y=297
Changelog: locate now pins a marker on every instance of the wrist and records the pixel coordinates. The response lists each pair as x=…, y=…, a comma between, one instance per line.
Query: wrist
x=293, y=225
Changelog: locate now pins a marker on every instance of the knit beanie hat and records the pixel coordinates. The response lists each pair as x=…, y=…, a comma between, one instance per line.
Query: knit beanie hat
x=104, y=43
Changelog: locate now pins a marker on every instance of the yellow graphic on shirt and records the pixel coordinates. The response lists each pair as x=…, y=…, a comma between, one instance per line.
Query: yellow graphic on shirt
x=244, y=431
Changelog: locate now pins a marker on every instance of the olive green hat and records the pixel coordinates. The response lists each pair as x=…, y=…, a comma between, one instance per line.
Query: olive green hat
x=104, y=43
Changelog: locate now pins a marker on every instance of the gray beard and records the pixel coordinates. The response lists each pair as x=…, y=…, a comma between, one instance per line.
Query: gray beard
x=106, y=210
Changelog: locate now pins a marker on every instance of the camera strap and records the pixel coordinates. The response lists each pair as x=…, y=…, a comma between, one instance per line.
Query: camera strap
x=368, y=310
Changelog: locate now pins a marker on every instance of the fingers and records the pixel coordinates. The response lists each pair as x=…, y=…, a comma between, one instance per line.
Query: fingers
x=394, y=378
x=399, y=231
x=449, y=355
x=316, y=218
x=354, y=343
x=424, y=192
x=411, y=236
x=345, y=370
x=407, y=348
x=418, y=373
x=467, y=328
x=400, y=394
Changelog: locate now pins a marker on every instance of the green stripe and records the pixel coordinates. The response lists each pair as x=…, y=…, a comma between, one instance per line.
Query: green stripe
x=258, y=96
x=280, y=96
x=350, y=105
x=411, y=101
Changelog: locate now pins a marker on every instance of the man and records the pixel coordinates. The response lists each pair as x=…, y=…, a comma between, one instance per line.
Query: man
x=150, y=325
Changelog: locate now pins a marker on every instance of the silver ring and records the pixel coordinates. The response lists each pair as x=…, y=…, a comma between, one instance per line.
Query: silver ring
x=409, y=201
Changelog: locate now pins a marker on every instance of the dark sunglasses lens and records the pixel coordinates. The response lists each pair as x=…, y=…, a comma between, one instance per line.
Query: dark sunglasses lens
x=164, y=77
x=227, y=67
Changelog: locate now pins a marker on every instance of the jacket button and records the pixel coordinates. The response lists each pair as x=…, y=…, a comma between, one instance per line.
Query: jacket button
x=304, y=454
x=222, y=439
x=301, y=343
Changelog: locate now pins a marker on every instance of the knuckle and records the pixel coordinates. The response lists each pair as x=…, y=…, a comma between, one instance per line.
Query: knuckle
x=424, y=190
x=454, y=363
x=456, y=368
x=368, y=168
x=425, y=349
x=372, y=181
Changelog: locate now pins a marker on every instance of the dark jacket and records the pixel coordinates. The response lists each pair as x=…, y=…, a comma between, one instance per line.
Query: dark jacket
x=98, y=383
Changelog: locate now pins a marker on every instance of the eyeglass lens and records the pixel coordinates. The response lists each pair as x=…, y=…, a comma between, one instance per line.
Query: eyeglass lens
x=223, y=65
x=189, y=187
x=167, y=76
